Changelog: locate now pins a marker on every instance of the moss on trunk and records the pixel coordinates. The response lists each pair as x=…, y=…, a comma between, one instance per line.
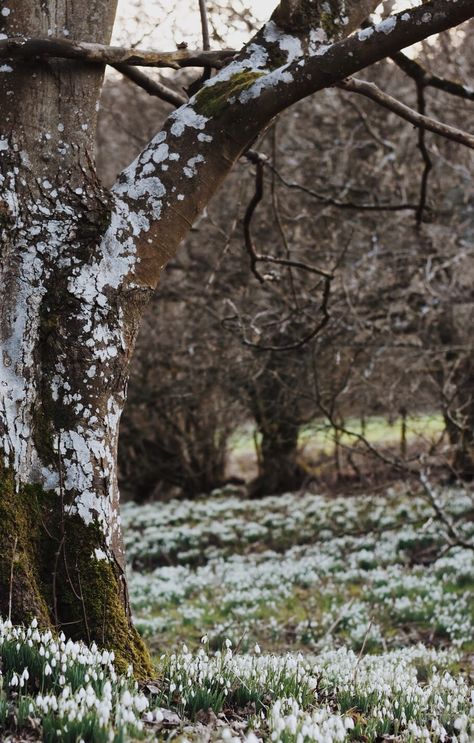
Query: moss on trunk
x=49, y=569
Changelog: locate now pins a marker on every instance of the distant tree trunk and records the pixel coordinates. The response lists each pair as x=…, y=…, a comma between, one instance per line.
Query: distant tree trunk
x=459, y=419
x=280, y=470
x=274, y=408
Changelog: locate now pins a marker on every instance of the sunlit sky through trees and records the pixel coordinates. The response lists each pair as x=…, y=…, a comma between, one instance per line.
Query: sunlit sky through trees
x=163, y=24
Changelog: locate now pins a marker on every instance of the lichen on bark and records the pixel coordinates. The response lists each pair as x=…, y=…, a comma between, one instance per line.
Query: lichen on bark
x=212, y=100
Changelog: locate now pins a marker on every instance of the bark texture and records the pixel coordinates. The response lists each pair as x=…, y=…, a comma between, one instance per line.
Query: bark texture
x=66, y=334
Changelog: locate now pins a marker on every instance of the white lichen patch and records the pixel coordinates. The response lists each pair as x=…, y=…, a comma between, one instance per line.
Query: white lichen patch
x=45, y=233
x=386, y=26
x=99, y=554
x=365, y=33
x=190, y=170
x=186, y=117
x=290, y=45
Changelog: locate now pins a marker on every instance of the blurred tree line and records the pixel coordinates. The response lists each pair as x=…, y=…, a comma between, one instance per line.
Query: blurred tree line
x=331, y=279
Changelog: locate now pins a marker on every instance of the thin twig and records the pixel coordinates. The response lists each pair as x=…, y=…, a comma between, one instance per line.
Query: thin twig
x=457, y=540
x=329, y=200
x=361, y=653
x=420, y=99
x=152, y=87
x=206, y=45
x=370, y=90
x=307, y=338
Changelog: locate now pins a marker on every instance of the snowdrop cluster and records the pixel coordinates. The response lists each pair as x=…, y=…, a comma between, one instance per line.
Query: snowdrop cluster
x=342, y=590
x=212, y=680
x=406, y=694
x=289, y=722
x=356, y=556
x=69, y=688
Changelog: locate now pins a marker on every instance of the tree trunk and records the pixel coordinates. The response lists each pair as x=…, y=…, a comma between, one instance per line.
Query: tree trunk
x=280, y=471
x=459, y=418
x=66, y=335
x=274, y=405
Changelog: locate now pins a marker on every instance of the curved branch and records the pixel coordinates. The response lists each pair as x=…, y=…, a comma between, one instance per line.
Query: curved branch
x=370, y=90
x=328, y=200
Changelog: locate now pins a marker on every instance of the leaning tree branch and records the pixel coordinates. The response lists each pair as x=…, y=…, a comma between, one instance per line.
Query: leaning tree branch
x=212, y=131
x=418, y=73
x=152, y=87
x=21, y=47
x=370, y=90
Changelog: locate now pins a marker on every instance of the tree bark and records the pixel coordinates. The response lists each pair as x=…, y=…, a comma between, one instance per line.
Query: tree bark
x=66, y=334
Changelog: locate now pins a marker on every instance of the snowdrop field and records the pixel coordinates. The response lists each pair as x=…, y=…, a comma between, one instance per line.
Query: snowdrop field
x=291, y=619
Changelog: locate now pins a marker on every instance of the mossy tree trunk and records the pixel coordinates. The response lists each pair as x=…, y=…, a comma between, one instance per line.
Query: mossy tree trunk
x=66, y=334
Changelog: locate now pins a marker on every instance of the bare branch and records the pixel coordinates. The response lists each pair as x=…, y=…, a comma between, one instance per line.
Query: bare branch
x=456, y=538
x=21, y=47
x=419, y=74
x=249, y=212
x=307, y=338
x=255, y=257
x=420, y=99
x=153, y=87
x=329, y=200
x=370, y=90
x=227, y=129
x=204, y=25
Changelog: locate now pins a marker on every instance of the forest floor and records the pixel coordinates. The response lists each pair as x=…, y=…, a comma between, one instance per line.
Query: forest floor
x=292, y=619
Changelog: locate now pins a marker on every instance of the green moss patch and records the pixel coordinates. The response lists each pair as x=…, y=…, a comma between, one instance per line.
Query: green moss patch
x=212, y=100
